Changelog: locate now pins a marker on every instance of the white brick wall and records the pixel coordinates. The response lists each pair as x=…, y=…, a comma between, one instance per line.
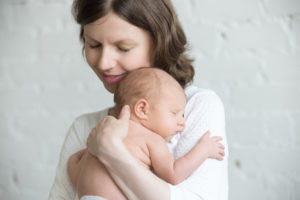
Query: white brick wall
x=246, y=50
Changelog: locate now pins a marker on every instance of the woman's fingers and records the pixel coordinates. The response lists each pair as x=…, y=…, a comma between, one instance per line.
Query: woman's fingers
x=108, y=130
x=125, y=113
x=92, y=142
x=92, y=136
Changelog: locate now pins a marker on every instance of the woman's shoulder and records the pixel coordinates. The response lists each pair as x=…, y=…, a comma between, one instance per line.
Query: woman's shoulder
x=195, y=94
x=83, y=124
x=90, y=119
x=203, y=102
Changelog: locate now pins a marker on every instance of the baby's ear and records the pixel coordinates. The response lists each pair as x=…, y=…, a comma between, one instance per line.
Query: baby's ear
x=141, y=109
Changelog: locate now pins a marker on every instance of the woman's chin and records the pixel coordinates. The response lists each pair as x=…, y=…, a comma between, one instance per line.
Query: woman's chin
x=110, y=88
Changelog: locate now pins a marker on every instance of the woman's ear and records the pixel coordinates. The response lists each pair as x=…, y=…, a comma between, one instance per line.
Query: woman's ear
x=141, y=109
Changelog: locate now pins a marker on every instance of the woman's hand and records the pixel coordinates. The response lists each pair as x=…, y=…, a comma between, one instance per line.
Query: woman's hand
x=108, y=131
x=106, y=143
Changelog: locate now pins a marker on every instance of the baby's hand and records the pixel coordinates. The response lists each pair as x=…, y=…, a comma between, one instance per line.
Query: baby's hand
x=212, y=146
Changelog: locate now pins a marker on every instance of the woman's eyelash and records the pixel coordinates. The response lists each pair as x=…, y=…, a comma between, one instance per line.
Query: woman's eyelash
x=99, y=45
x=123, y=49
x=95, y=46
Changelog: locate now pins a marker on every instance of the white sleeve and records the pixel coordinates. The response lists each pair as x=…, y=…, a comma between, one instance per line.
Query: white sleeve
x=62, y=187
x=204, y=111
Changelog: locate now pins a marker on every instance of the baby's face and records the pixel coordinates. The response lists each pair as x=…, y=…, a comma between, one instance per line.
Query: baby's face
x=166, y=117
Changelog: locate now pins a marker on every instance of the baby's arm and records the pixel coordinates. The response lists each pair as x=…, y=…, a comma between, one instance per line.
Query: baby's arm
x=90, y=177
x=175, y=172
x=74, y=166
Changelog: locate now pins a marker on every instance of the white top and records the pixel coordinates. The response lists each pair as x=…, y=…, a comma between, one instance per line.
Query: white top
x=204, y=111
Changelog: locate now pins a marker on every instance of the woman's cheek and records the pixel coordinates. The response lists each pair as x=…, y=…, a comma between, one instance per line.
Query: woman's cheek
x=87, y=55
x=135, y=60
x=90, y=58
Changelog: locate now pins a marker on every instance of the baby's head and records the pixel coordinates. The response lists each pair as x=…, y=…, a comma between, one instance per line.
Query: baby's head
x=156, y=99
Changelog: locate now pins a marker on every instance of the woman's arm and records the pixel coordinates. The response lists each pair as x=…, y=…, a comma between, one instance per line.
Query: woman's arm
x=135, y=180
x=75, y=140
x=106, y=142
x=62, y=187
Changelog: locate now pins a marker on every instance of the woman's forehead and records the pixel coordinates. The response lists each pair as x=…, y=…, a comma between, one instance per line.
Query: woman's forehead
x=114, y=27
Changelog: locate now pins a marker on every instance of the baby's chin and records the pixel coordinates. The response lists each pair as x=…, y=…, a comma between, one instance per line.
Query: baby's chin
x=169, y=138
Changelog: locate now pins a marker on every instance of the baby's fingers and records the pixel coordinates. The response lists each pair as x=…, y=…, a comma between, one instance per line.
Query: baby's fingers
x=221, y=149
x=221, y=146
x=219, y=157
x=222, y=153
x=217, y=138
x=206, y=134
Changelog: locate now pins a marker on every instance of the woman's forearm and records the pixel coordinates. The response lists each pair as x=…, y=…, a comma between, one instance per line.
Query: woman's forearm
x=106, y=143
x=135, y=180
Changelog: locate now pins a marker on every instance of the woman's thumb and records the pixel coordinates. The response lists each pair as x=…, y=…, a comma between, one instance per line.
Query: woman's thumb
x=125, y=113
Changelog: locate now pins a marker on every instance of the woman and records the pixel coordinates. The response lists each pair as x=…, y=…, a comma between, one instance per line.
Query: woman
x=120, y=36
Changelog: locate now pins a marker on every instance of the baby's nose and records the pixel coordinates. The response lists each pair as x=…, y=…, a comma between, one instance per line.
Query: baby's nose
x=181, y=121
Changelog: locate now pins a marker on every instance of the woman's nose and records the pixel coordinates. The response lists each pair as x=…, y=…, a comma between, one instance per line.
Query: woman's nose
x=106, y=59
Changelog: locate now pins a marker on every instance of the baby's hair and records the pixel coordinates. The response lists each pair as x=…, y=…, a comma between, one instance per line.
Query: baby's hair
x=141, y=83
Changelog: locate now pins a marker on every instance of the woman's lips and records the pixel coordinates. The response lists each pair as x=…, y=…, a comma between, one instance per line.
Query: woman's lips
x=112, y=78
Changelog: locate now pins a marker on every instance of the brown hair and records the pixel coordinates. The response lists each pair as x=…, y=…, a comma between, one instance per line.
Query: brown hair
x=158, y=17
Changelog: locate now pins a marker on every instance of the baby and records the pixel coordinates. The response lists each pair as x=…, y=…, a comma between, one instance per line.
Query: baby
x=157, y=103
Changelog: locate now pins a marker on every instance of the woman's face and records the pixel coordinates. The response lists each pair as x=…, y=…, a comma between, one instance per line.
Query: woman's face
x=114, y=47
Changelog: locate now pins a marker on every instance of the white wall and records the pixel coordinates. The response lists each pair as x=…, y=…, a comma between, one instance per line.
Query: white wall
x=245, y=50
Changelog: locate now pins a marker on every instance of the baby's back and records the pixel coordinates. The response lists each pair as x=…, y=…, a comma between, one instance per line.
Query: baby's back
x=137, y=142
x=101, y=184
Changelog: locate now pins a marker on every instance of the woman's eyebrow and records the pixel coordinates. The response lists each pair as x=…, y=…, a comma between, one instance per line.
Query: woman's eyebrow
x=90, y=38
x=125, y=41
x=118, y=42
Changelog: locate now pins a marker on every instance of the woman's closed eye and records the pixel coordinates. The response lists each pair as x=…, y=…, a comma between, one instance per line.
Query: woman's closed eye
x=122, y=49
x=125, y=46
x=95, y=46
